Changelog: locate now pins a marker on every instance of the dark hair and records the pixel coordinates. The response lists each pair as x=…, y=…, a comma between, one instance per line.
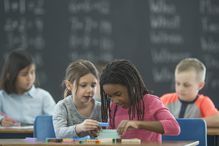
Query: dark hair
x=14, y=61
x=124, y=73
x=77, y=69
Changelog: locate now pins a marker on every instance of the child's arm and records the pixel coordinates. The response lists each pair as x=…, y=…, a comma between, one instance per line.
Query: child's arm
x=212, y=121
x=63, y=130
x=87, y=125
x=209, y=112
x=154, y=126
x=7, y=121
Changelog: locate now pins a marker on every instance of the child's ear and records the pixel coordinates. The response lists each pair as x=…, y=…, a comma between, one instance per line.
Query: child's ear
x=201, y=85
x=68, y=85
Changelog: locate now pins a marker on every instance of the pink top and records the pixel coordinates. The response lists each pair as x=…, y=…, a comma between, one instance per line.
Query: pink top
x=154, y=111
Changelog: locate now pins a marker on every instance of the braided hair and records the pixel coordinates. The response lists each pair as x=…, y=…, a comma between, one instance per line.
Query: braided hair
x=124, y=73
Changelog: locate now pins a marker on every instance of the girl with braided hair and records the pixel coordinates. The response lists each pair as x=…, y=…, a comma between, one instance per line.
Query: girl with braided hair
x=131, y=109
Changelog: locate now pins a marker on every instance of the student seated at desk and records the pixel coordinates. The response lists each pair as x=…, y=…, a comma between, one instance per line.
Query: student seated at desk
x=132, y=110
x=186, y=102
x=20, y=100
x=77, y=115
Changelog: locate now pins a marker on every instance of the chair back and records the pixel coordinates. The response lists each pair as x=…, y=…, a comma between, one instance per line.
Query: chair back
x=191, y=129
x=43, y=127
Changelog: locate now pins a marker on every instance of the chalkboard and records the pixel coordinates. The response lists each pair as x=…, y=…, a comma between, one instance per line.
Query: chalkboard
x=153, y=34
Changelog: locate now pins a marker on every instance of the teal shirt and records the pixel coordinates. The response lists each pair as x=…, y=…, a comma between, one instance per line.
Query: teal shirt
x=24, y=108
x=66, y=117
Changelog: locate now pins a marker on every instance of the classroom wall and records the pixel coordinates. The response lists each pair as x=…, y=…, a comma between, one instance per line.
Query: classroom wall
x=153, y=34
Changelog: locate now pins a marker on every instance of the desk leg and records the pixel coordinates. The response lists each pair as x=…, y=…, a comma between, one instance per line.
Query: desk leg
x=213, y=140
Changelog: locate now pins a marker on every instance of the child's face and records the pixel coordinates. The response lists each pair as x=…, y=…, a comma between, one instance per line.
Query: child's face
x=187, y=85
x=86, y=88
x=25, y=79
x=118, y=94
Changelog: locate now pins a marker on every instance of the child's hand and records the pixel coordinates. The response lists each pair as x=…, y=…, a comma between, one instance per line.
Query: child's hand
x=94, y=133
x=87, y=125
x=125, y=125
x=8, y=122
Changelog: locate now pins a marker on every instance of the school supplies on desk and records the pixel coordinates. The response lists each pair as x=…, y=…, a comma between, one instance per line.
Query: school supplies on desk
x=91, y=141
x=103, y=124
x=82, y=138
x=131, y=141
x=111, y=141
x=108, y=133
x=106, y=136
x=30, y=139
x=55, y=140
x=95, y=141
x=15, y=123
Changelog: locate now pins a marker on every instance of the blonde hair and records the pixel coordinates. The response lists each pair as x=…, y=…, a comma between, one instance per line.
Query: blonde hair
x=189, y=64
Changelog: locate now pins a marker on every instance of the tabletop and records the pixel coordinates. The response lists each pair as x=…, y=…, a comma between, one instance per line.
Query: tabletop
x=21, y=142
x=22, y=129
x=213, y=131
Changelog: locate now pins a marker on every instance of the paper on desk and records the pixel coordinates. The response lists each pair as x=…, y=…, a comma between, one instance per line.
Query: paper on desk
x=18, y=127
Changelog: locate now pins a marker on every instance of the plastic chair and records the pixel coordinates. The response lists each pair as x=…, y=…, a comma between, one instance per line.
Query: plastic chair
x=43, y=127
x=191, y=129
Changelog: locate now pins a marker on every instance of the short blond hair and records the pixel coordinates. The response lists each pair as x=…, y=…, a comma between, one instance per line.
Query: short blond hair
x=188, y=64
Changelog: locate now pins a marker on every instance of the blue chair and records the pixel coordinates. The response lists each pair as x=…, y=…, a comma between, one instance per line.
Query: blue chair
x=43, y=127
x=191, y=129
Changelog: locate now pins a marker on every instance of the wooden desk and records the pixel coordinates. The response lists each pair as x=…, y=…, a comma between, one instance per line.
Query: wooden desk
x=21, y=142
x=16, y=132
x=213, y=136
x=213, y=131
